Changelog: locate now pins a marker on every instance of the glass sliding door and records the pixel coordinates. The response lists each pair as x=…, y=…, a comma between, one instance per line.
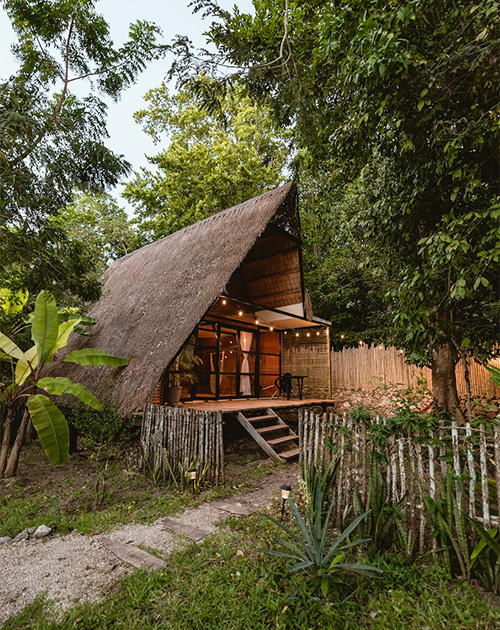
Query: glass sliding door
x=236, y=362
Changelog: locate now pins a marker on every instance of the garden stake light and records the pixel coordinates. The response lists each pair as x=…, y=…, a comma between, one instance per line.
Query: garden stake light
x=285, y=491
x=192, y=477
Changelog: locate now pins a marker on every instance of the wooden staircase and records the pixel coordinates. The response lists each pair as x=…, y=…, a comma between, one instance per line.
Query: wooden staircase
x=272, y=434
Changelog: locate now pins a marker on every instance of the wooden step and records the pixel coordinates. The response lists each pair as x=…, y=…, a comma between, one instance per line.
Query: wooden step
x=261, y=418
x=289, y=454
x=275, y=427
x=286, y=438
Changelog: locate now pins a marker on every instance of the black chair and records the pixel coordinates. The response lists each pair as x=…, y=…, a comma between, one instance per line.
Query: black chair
x=284, y=384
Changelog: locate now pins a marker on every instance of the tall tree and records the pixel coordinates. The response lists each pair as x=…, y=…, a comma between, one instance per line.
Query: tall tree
x=216, y=158
x=52, y=142
x=402, y=97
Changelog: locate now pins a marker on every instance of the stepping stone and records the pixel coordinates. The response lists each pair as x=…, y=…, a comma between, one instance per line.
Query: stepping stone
x=133, y=555
x=182, y=528
x=232, y=508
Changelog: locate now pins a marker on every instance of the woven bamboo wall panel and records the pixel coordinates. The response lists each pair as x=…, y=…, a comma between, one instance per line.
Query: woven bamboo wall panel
x=367, y=367
x=310, y=357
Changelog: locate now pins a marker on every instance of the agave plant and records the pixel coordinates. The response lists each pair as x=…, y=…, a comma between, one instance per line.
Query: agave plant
x=30, y=372
x=322, y=560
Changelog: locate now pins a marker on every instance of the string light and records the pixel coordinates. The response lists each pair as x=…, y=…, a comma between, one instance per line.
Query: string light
x=360, y=342
x=308, y=334
x=296, y=334
x=342, y=336
x=224, y=302
x=240, y=313
x=271, y=328
x=317, y=333
x=256, y=322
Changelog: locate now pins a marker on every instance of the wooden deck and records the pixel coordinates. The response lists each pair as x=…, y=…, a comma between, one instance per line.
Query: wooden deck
x=242, y=404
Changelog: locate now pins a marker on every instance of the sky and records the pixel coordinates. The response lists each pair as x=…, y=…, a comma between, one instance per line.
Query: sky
x=174, y=17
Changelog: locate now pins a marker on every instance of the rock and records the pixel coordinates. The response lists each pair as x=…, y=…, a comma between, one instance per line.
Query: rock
x=42, y=531
x=22, y=536
x=346, y=405
x=4, y=540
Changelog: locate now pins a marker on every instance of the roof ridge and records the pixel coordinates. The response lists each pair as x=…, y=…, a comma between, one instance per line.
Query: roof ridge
x=212, y=217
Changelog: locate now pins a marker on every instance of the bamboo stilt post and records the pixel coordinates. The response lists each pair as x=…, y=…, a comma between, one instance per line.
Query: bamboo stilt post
x=432, y=472
x=484, y=477
x=301, y=437
x=456, y=462
x=393, y=463
x=497, y=466
x=402, y=472
x=442, y=451
x=341, y=469
x=420, y=468
x=322, y=443
x=472, y=471
x=348, y=476
x=316, y=440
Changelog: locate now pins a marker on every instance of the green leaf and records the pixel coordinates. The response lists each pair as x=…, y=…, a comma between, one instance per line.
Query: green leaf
x=60, y=385
x=63, y=332
x=90, y=356
x=26, y=365
x=51, y=426
x=44, y=328
x=9, y=347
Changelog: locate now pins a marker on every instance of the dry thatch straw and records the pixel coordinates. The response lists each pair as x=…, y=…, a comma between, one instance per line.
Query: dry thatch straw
x=154, y=297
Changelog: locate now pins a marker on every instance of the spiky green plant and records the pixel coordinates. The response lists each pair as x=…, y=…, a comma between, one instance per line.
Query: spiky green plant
x=379, y=524
x=323, y=561
x=311, y=474
x=450, y=527
x=485, y=558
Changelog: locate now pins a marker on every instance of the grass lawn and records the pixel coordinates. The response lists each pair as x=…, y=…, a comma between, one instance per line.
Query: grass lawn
x=226, y=583
x=89, y=497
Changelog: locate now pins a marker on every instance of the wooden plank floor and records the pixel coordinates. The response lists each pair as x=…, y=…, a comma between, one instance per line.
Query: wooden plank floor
x=240, y=404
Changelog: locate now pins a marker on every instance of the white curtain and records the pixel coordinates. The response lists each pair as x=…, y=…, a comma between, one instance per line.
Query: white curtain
x=246, y=344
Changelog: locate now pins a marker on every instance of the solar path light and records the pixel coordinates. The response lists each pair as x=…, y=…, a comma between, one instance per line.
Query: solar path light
x=285, y=492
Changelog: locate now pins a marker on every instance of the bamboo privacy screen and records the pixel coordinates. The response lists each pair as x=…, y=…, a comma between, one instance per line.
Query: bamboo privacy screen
x=184, y=436
x=367, y=367
x=412, y=464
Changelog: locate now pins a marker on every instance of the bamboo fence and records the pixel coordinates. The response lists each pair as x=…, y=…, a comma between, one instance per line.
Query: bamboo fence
x=185, y=437
x=411, y=464
x=367, y=367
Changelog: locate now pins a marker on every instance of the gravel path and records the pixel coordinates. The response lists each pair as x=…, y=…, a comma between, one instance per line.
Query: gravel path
x=74, y=568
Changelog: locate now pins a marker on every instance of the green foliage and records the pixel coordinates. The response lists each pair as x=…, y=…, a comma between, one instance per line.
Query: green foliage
x=209, y=165
x=101, y=427
x=51, y=426
x=450, y=528
x=52, y=142
x=97, y=222
x=314, y=474
x=323, y=561
x=31, y=369
x=485, y=558
x=379, y=523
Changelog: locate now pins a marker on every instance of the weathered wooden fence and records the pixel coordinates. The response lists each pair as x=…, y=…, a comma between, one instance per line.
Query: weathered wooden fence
x=184, y=436
x=367, y=367
x=411, y=463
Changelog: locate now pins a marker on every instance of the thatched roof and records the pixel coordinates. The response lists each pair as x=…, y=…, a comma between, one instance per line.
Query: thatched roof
x=154, y=297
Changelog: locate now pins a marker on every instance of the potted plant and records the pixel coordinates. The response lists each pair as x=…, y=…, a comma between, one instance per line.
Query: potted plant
x=181, y=370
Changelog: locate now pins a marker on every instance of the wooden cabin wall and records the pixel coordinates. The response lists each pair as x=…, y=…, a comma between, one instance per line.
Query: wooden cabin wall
x=310, y=357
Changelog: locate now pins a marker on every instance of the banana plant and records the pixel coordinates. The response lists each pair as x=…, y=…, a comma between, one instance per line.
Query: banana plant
x=30, y=372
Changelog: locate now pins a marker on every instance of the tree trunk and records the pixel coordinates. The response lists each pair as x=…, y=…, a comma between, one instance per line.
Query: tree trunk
x=11, y=469
x=444, y=384
x=6, y=438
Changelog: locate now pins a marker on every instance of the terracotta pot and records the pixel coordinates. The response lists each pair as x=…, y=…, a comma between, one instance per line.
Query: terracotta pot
x=172, y=395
